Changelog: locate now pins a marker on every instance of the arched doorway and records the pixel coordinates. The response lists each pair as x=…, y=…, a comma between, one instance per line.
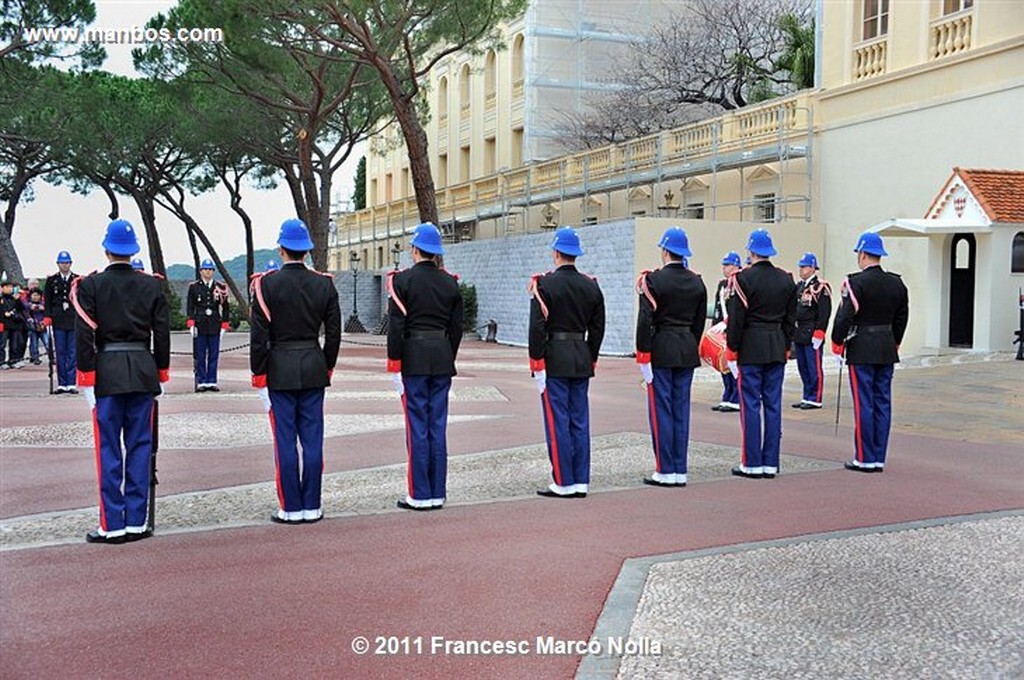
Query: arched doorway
x=963, y=255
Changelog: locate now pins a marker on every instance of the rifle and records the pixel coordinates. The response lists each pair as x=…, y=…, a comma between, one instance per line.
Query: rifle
x=152, y=464
x=195, y=364
x=839, y=381
x=50, y=354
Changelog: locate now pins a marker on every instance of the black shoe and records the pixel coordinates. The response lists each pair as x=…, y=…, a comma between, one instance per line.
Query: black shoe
x=312, y=521
x=729, y=409
x=548, y=493
x=768, y=475
x=750, y=475
x=213, y=388
x=132, y=537
x=799, y=404
x=654, y=482
x=276, y=519
x=850, y=465
x=97, y=537
x=716, y=407
x=809, y=407
x=72, y=390
x=405, y=505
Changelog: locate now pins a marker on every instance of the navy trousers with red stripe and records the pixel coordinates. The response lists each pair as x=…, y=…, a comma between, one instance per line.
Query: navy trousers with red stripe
x=668, y=410
x=64, y=356
x=730, y=394
x=426, y=428
x=566, y=412
x=127, y=416
x=297, y=417
x=207, y=356
x=761, y=389
x=808, y=360
x=872, y=409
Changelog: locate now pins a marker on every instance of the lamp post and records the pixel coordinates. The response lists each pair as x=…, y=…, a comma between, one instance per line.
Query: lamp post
x=396, y=254
x=354, y=325
x=396, y=259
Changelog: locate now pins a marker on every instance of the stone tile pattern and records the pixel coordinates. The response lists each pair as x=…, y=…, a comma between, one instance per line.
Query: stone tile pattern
x=933, y=602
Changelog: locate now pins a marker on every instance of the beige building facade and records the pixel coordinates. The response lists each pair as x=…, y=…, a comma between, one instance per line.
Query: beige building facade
x=908, y=89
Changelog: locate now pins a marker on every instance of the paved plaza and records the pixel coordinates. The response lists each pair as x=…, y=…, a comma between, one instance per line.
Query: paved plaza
x=820, y=572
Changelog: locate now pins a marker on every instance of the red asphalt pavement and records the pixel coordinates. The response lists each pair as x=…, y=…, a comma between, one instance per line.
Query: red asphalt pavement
x=271, y=601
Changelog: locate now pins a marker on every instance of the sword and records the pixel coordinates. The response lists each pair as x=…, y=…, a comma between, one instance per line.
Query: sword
x=852, y=333
x=152, y=464
x=50, y=354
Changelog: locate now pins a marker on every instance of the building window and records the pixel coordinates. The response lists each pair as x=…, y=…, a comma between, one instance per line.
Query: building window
x=380, y=257
x=591, y=219
x=876, y=18
x=389, y=187
x=464, y=164
x=442, y=170
x=490, y=153
x=764, y=207
x=694, y=211
x=517, y=59
x=405, y=182
x=1017, y=260
x=517, y=147
x=442, y=99
x=954, y=6
x=464, y=90
x=490, y=79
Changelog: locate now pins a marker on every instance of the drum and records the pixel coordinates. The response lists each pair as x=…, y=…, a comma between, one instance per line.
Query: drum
x=712, y=348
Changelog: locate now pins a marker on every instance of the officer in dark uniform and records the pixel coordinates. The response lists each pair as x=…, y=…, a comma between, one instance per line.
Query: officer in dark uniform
x=813, y=310
x=760, y=327
x=424, y=332
x=61, y=317
x=566, y=331
x=730, y=393
x=124, y=352
x=208, y=319
x=13, y=321
x=673, y=306
x=290, y=368
x=868, y=330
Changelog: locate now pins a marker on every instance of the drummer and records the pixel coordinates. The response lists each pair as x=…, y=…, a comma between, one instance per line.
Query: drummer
x=730, y=402
x=673, y=306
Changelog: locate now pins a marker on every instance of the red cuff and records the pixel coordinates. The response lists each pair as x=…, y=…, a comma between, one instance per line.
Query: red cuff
x=165, y=375
x=47, y=321
x=819, y=334
x=190, y=323
x=837, y=348
x=593, y=367
x=259, y=381
x=643, y=357
x=731, y=355
x=537, y=365
x=1, y=328
x=86, y=379
x=330, y=374
x=394, y=365
x=225, y=326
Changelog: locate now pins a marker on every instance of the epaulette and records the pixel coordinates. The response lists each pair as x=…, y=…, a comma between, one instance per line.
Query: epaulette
x=73, y=295
x=451, y=274
x=847, y=292
x=894, y=274
x=256, y=287
x=327, y=274
x=389, y=286
x=642, y=289
x=734, y=287
x=785, y=271
x=533, y=288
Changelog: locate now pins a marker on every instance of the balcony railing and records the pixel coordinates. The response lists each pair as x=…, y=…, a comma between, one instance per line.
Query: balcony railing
x=747, y=133
x=869, y=58
x=950, y=35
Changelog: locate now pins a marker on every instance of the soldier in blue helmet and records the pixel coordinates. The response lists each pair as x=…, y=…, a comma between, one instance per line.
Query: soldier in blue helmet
x=567, y=320
x=673, y=306
x=137, y=264
x=272, y=266
x=813, y=310
x=759, y=330
x=61, y=318
x=425, y=313
x=868, y=330
x=209, y=317
x=731, y=264
x=290, y=369
x=124, y=355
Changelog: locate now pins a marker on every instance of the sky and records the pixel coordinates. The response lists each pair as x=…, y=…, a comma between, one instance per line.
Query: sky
x=61, y=220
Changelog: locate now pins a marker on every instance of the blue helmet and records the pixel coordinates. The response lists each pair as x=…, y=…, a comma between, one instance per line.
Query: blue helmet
x=808, y=260
x=295, y=236
x=427, y=237
x=760, y=243
x=870, y=243
x=120, y=238
x=63, y=257
x=733, y=258
x=206, y=264
x=567, y=242
x=272, y=266
x=137, y=264
x=675, y=241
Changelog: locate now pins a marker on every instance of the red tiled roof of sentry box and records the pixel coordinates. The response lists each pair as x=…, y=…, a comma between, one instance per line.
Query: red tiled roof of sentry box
x=1000, y=192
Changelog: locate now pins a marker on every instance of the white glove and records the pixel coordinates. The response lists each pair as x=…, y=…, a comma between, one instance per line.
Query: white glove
x=194, y=331
x=840, y=361
x=541, y=378
x=265, y=397
x=816, y=343
x=396, y=378
x=733, y=368
x=647, y=372
x=90, y=396
x=162, y=390
x=222, y=332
